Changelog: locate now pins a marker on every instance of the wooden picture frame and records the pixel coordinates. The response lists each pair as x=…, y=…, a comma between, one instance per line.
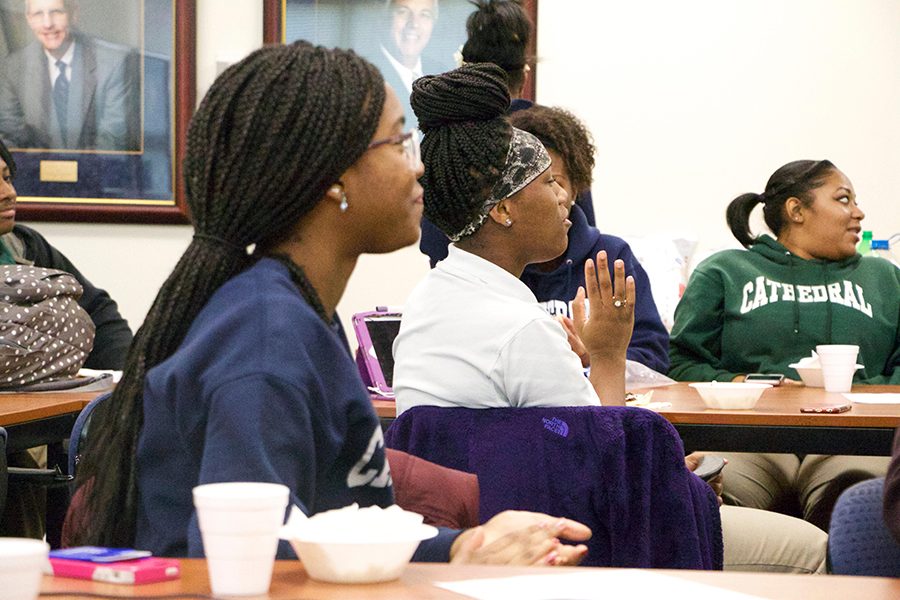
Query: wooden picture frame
x=124, y=163
x=276, y=15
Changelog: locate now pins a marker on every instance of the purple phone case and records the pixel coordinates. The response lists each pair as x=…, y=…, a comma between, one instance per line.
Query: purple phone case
x=366, y=358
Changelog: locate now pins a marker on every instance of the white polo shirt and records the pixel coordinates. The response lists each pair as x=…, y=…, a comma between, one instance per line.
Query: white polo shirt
x=473, y=335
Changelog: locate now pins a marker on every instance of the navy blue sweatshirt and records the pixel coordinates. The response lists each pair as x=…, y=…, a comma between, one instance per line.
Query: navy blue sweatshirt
x=556, y=289
x=261, y=389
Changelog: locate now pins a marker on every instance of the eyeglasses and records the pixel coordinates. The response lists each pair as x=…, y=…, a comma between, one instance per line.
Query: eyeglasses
x=407, y=140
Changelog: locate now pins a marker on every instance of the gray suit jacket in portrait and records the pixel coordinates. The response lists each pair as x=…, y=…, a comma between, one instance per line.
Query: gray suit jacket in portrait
x=103, y=108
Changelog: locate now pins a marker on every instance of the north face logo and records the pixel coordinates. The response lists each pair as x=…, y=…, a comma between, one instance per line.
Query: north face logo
x=557, y=426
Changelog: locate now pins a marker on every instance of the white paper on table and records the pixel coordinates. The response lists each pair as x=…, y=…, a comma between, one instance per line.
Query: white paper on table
x=591, y=585
x=886, y=398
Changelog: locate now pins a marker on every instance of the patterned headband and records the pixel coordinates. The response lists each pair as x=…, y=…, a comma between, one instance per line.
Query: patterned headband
x=526, y=159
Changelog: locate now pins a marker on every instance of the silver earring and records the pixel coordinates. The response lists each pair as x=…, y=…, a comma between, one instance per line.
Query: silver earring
x=344, y=204
x=508, y=222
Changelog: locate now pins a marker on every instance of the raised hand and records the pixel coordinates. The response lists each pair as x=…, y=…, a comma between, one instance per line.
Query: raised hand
x=606, y=331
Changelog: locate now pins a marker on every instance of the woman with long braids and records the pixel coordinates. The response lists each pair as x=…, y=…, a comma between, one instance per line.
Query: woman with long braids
x=241, y=371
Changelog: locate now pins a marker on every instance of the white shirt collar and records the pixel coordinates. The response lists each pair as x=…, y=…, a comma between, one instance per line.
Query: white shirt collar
x=473, y=268
x=67, y=58
x=406, y=74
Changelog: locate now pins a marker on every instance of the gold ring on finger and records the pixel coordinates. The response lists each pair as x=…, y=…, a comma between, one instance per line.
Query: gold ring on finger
x=619, y=302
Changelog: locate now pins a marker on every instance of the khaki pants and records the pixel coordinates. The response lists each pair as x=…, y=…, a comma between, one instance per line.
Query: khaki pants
x=784, y=483
x=759, y=540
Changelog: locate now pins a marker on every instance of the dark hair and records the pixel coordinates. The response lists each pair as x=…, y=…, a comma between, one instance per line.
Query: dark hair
x=793, y=180
x=6, y=155
x=498, y=32
x=561, y=131
x=463, y=116
x=272, y=134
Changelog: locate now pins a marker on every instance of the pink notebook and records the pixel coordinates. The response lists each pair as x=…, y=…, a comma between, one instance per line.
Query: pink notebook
x=142, y=570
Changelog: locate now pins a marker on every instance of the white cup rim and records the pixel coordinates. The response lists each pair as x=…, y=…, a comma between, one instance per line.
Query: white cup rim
x=837, y=348
x=251, y=489
x=241, y=495
x=22, y=548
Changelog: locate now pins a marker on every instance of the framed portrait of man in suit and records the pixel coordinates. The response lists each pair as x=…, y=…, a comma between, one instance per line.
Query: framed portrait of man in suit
x=95, y=97
x=405, y=39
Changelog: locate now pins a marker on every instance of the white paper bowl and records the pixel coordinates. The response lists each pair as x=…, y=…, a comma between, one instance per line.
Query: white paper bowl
x=812, y=375
x=360, y=562
x=730, y=395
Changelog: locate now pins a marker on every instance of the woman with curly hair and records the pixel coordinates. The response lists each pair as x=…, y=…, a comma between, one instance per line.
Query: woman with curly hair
x=555, y=282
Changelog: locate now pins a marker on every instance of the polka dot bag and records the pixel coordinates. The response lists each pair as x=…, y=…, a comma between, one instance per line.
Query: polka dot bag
x=44, y=334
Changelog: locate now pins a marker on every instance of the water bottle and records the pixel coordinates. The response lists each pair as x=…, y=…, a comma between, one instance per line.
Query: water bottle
x=865, y=244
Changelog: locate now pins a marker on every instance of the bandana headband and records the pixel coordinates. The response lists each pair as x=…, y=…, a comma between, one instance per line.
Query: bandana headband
x=525, y=160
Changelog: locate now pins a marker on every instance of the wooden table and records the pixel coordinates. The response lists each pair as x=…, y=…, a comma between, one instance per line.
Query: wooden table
x=290, y=581
x=777, y=425
x=774, y=425
x=39, y=418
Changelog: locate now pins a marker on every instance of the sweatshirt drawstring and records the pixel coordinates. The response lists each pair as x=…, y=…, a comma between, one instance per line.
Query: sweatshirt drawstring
x=796, y=303
x=569, y=264
x=828, y=323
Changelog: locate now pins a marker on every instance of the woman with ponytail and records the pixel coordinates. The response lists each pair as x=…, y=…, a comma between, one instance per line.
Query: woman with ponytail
x=758, y=311
x=296, y=164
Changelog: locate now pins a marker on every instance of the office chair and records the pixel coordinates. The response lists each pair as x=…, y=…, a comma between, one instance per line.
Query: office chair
x=53, y=479
x=80, y=431
x=859, y=542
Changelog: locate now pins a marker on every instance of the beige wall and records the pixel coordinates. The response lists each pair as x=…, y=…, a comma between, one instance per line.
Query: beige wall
x=694, y=102
x=690, y=102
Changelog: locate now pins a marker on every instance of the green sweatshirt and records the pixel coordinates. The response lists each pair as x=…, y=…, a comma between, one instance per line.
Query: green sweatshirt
x=759, y=310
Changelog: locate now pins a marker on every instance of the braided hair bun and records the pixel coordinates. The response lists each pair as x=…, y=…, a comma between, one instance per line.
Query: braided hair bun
x=475, y=92
x=463, y=116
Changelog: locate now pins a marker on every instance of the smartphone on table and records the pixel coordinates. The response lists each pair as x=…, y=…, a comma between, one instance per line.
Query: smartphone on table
x=770, y=378
x=827, y=410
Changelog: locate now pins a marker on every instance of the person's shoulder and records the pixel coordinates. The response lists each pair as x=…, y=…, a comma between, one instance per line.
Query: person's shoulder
x=726, y=258
x=724, y=263
x=29, y=236
x=615, y=246
x=883, y=268
x=266, y=284
x=263, y=307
